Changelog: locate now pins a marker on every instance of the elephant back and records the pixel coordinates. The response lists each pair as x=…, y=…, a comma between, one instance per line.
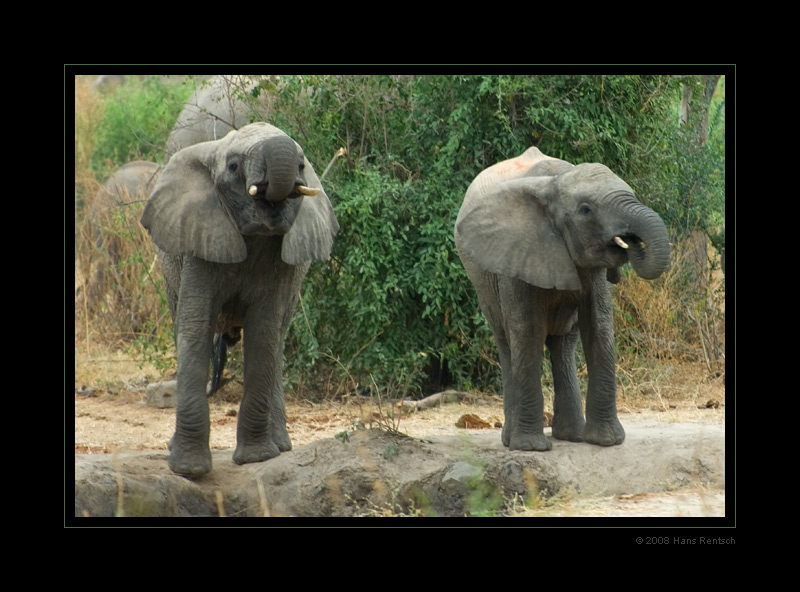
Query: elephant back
x=513, y=168
x=216, y=108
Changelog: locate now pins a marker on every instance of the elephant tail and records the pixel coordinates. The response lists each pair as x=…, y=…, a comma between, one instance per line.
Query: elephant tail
x=219, y=356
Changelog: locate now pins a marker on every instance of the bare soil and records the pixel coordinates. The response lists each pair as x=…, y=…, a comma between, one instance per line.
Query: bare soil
x=350, y=458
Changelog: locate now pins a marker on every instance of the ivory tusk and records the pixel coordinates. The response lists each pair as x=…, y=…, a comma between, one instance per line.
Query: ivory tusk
x=302, y=189
x=253, y=190
x=620, y=242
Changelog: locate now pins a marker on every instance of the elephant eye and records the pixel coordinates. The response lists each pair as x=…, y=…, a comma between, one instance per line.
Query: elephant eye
x=584, y=210
x=233, y=165
x=302, y=165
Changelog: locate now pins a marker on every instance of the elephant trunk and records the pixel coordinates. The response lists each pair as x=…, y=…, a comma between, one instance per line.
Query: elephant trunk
x=645, y=240
x=275, y=170
x=282, y=168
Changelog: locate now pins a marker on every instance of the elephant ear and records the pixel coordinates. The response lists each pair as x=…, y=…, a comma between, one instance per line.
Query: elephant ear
x=184, y=214
x=311, y=236
x=510, y=231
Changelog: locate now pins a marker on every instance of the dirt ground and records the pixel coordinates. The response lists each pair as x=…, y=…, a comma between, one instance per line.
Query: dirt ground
x=116, y=420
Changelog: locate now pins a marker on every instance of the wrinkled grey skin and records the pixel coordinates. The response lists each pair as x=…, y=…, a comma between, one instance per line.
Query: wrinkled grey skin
x=233, y=260
x=214, y=109
x=536, y=237
x=130, y=181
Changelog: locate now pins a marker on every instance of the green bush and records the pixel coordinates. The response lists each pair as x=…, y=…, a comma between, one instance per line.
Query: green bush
x=395, y=306
x=139, y=116
x=393, y=310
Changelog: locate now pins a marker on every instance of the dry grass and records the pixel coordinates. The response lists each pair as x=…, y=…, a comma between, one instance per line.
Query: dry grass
x=89, y=108
x=680, y=316
x=687, y=503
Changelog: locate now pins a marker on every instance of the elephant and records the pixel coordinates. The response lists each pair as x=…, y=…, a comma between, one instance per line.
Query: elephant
x=128, y=185
x=542, y=240
x=130, y=180
x=214, y=109
x=236, y=223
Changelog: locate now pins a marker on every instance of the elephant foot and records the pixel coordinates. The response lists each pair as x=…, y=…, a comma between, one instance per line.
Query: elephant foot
x=530, y=442
x=605, y=433
x=284, y=445
x=569, y=429
x=189, y=459
x=281, y=438
x=257, y=452
x=505, y=435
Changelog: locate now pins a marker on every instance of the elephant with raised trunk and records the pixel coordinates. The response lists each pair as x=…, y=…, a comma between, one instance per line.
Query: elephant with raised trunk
x=236, y=223
x=541, y=239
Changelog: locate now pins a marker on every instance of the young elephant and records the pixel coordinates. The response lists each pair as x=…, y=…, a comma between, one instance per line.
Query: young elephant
x=541, y=239
x=237, y=223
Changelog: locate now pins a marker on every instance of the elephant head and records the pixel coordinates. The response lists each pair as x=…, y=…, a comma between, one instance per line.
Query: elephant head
x=253, y=182
x=557, y=218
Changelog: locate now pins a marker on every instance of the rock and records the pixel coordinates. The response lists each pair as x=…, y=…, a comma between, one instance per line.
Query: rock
x=465, y=475
x=86, y=391
x=162, y=394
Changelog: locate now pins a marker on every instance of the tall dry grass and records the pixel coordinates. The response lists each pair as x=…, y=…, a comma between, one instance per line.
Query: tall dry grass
x=680, y=316
x=118, y=291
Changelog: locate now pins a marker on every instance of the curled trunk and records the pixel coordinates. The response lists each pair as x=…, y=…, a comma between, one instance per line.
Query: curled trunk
x=275, y=169
x=647, y=240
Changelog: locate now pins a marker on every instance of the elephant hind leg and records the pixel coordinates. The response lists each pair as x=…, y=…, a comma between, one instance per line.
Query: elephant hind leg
x=568, y=422
x=222, y=341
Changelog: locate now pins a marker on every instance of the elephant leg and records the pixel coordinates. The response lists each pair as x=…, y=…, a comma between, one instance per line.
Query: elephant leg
x=190, y=454
x=597, y=334
x=509, y=400
x=487, y=286
x=568, y=422
x=261, y=432
x=262, y=368
x=525, y=421
x=525, y=407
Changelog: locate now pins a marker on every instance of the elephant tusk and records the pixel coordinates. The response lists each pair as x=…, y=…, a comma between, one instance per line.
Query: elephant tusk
x=620, y=242
x=303, y=190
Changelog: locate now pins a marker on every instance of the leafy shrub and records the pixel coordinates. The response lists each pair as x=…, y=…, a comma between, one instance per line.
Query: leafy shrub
x=138, y=117
x=396, y=301
x=393, y=310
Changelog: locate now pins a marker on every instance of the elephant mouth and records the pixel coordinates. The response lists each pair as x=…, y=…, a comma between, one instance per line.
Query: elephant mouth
x=268, y=218
x=271, y=208
x=630, y=245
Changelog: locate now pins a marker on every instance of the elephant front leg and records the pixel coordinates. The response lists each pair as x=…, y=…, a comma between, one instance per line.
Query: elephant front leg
x=261, y=432
x=597, y=334
x=190, y=454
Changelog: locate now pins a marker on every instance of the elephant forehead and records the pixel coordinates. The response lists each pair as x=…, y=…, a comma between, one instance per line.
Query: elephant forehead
x=591, y=179
x=242, y=139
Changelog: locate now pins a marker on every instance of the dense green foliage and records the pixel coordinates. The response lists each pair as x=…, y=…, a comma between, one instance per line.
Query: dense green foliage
x=138, y=118
x=395, y=304
x=394, y=309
